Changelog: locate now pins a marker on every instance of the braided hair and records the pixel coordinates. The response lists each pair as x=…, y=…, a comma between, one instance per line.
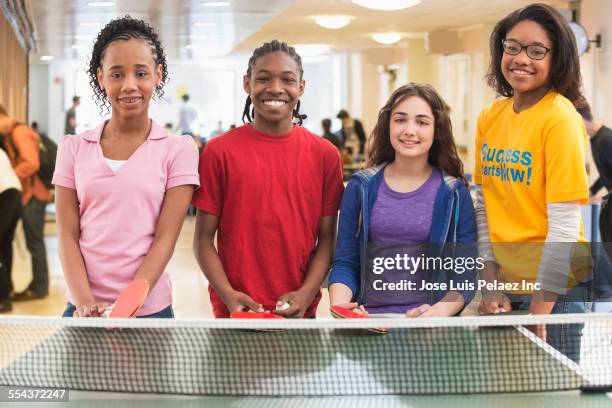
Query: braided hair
x=124, y=28
x=273, y=46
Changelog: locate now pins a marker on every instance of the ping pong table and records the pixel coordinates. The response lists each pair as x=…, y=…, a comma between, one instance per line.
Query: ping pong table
x=336, y=364
x=544, y=400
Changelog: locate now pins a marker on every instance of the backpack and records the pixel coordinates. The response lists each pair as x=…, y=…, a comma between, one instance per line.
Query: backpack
x=605, y=224
x=47, y=154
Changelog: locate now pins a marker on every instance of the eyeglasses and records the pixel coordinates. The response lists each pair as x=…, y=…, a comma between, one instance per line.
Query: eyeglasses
x=535, y=52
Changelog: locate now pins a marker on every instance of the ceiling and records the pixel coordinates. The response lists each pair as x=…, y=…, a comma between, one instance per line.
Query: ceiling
x=296, y=25
x=67, y=28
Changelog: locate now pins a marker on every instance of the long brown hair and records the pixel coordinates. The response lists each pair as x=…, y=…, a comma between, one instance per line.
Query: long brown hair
x=443, y=153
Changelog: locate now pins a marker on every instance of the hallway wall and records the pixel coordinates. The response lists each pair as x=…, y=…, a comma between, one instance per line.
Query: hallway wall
x=14, y=69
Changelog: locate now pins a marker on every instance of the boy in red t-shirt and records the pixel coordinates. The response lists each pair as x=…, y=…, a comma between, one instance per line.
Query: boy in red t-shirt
x=272, y=191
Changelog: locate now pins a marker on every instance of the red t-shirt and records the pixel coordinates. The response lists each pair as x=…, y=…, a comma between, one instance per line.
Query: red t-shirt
x=270, y=192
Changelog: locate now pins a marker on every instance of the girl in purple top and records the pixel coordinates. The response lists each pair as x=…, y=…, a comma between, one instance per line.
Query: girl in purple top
x=413, y=193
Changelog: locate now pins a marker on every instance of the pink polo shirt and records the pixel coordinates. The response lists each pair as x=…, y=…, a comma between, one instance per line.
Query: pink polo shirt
x=119, y=210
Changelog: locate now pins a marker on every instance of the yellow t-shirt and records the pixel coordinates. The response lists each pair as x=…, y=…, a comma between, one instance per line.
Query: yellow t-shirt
x=523, y=162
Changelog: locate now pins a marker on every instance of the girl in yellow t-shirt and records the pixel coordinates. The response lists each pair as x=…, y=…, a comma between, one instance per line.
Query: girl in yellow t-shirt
x=530, y=172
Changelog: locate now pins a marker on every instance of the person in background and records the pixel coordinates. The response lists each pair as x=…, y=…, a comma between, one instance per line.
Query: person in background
x=22, y=146
x=352, y=132
x=71, y=123
x=188, y=118
x=35, y=128
x=347, y=156
x=10, y=208
x=327, y=133
x=601, y=148
x=217, y=132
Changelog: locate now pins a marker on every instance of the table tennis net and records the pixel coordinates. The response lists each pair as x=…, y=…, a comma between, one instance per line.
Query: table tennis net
x=308, y=357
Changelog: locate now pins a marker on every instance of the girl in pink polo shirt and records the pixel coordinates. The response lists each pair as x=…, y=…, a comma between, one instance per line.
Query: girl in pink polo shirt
x=123, y=188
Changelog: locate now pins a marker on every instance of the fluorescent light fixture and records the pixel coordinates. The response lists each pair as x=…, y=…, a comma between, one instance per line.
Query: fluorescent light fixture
x=47, y=58
x=386, y=4
x=205, y=24
x=76, y=46
x=90, y=24
x=83, y=37
x=332, y=22
x=101, y=3
x=386, y=38
x=216, y=3
x=311, y=50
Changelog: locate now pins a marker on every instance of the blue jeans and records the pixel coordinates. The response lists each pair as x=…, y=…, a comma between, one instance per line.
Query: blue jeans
x=563, y=337
x=167, y=313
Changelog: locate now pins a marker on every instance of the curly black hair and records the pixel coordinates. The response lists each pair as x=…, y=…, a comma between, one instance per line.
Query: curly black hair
x=273, y=46
x=124, y=28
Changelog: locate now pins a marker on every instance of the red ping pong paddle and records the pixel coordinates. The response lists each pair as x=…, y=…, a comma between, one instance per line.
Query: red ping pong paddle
x=254, y=315
x=257, y=315
x=340, y=312
x=131, y=299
